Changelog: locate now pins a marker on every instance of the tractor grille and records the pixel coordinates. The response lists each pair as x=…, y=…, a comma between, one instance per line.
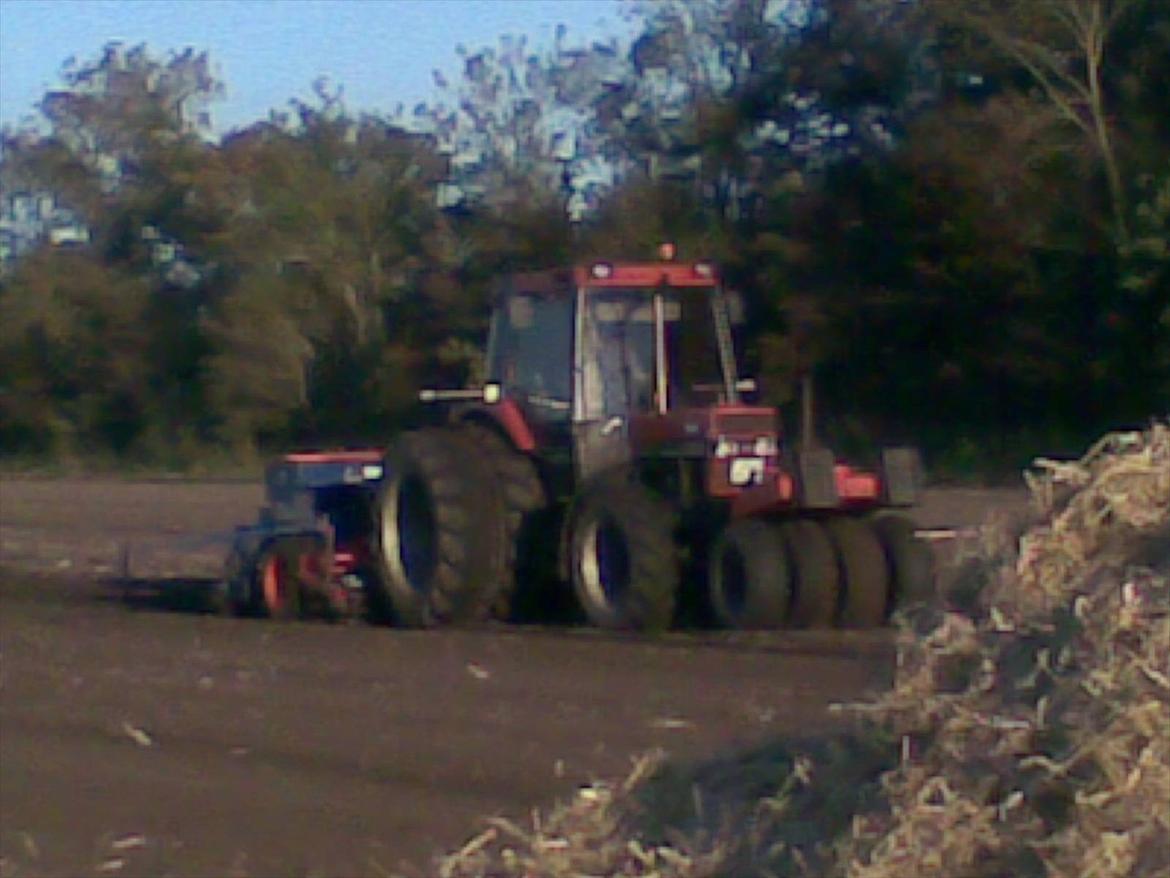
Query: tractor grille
x=745, y=423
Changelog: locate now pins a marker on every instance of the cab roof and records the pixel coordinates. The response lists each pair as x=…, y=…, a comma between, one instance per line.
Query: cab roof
x=603, y=274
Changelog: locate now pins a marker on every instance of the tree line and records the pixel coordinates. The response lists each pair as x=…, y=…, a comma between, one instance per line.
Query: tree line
x=953, y=214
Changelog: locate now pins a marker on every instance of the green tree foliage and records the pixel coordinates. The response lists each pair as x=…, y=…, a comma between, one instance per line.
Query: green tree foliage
x=1064, y=48
x=72, y=339
x=519, y=125
x=952, y=214
x=116, y=117
x=1058, y=140
x=301, y=274
x=331, y=264
x=927, y=223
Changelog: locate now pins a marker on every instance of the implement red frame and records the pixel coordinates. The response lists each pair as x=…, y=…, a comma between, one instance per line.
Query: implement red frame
x=366, y=455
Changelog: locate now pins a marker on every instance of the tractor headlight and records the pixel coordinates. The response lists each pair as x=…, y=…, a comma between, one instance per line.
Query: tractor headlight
x=726, y=448
x=765, y=446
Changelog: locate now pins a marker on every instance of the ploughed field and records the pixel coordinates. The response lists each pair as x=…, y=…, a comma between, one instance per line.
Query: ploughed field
x=139, y=736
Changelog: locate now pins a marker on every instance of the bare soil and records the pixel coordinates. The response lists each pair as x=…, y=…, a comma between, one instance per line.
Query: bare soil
x=140, y=737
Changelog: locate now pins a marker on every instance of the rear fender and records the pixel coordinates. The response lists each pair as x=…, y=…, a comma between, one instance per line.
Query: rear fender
x=506, y=417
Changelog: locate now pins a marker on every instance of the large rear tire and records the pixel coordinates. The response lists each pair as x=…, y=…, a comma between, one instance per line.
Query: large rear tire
x=624, y=563
x=864, y=577
x=521, y=494
x=909, y=560
x=439, y=544
x=815, y=578
x=749, y=576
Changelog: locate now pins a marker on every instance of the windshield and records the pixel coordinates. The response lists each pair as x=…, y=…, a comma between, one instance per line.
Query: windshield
x=619, y=340
x=692, y=346
x=530, y=348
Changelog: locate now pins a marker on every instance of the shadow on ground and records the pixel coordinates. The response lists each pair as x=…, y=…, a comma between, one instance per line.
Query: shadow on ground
x=171, y=594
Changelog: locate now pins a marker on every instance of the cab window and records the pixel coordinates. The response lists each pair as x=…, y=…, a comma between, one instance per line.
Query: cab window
x=532, y=350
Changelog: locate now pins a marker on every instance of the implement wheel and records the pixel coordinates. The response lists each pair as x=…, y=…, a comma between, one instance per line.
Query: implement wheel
x=865, y=580
x=286, y=570
x=440, y=550
x=276, y=586
x=815, y=577
x=749, y=576
x=625, y=566
x=909, y=561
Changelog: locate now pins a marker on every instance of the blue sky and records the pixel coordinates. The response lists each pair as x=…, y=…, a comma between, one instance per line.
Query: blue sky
x=269, y=51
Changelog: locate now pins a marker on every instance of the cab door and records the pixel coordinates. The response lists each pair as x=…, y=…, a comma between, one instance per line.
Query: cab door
x=614, y=377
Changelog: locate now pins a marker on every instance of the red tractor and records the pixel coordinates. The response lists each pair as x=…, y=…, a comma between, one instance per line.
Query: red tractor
x=610, y=446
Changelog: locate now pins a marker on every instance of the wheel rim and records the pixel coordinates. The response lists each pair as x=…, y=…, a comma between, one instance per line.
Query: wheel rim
x=731, y=586
x=274, y=583
x=605, y=562
x=408, y=533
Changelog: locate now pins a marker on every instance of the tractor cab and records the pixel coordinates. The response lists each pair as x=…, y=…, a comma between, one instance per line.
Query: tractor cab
x=649, y=348
x=598, y=353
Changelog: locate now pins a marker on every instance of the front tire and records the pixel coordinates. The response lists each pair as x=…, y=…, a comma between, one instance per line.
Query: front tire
x=749, y=576
x=815, y=578
x=909, y=559
x=624, y=564
x=865, y=582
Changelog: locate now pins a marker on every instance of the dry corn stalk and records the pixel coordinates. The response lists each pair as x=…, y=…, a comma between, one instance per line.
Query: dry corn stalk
x=585, y=837
x=1051, y=738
